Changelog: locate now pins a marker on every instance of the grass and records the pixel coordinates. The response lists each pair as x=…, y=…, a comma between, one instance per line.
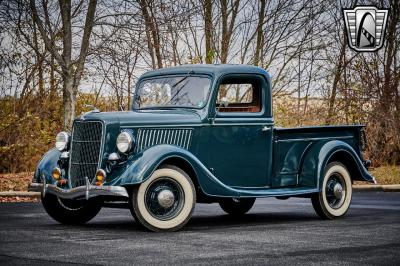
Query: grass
x=15, y=182
x=385, y=175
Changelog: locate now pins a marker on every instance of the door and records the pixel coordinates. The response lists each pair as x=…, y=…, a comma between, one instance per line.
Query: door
x=241, y=132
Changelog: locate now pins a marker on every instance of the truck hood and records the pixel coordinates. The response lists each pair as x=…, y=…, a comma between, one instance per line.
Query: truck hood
x=146, y=117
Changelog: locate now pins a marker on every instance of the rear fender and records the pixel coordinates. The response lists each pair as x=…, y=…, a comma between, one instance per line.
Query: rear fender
x=322, y=153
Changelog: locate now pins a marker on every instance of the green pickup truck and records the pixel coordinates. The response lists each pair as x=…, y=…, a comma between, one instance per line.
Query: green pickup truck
x=197, y=134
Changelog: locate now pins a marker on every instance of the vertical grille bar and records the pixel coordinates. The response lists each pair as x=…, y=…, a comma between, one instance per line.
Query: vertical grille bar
x=85, y=151
x=149, y=137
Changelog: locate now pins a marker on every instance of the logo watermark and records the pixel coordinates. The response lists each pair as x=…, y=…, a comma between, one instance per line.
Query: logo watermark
x=365, y=26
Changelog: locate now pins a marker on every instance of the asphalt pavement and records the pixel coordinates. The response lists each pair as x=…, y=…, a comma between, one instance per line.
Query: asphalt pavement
x=275, y=232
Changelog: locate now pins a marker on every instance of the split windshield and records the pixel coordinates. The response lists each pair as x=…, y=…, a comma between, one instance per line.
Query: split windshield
x=173, y=91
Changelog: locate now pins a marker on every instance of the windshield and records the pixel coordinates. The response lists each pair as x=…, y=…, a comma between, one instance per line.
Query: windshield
x=173, y=91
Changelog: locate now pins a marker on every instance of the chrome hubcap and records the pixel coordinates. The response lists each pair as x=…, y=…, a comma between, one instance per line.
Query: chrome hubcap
x=166, y=198
x=335, y=191
x=338, y=191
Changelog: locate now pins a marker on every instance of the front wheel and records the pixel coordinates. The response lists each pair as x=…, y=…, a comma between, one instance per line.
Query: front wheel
x=67, y=211
x=234, y=206
x=334, y=199
x=165, y=201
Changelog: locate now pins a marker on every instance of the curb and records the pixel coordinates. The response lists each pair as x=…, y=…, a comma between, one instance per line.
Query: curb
x=24, y=194
x=382, y=188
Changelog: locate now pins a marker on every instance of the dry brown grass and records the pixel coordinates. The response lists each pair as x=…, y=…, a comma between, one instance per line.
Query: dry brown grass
x=19, y=199
x=387, y=175
x=15, y=182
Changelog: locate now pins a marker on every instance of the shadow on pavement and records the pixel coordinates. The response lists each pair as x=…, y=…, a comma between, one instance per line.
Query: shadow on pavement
x=201, y=222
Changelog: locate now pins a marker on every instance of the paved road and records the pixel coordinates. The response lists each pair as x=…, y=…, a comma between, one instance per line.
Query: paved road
x=274, y=232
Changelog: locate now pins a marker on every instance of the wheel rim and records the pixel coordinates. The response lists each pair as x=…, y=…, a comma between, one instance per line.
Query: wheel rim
x=335, y=190
x=164, y=198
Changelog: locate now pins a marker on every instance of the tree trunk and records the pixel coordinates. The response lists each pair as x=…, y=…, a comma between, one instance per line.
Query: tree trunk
x=227, y=28
x=69, y=101
x=39, y=62
x=336, y=79
x=260, y=33
x=225, y=35
x=153, y=35
x=388, y=88
x=53, y=88
x=208, y=30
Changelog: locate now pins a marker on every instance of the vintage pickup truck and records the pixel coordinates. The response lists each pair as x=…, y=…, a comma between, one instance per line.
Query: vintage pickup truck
x=197, y=134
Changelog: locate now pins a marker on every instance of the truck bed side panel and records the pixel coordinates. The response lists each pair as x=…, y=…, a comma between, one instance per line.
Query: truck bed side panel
x=291, y=145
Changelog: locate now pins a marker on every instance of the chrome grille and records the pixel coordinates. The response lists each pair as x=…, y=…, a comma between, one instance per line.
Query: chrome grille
x=150, y=137
x=85, y=151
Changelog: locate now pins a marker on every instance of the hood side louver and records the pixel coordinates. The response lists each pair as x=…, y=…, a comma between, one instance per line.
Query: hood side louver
x=149, y=137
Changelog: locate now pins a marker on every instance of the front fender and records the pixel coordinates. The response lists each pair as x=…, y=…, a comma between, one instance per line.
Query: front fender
x=317, y=158
x=46, y=165
x=142, y=165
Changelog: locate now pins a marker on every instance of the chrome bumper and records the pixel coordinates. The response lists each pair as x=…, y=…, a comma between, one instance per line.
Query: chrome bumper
x=87, y=191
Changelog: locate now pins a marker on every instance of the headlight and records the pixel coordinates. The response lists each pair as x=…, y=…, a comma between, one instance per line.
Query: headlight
x=62, y=141
x=125, y=142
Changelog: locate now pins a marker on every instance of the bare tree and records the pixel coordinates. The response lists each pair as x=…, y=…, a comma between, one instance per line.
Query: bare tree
x=71, y=69
x=152, y=32
x=228, y=18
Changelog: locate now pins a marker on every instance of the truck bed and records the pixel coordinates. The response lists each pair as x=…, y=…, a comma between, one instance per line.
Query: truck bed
x=291, y=144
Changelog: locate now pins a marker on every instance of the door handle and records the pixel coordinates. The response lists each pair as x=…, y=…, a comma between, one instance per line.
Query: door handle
x=265, y=129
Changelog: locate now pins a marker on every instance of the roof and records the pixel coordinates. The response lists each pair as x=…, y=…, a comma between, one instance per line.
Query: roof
x=213, y=69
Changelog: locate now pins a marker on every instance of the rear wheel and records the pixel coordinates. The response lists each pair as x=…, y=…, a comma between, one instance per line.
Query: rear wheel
x=164, y=202
x=67, y=211
x=235, y=206
x=334, y=199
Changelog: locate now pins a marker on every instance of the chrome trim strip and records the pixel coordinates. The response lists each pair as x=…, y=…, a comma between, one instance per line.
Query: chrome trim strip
x=314, y=139
x=77, y=192
x=168, y=136
x=189, y=139
x=173, y=126
x=44, y=186
x=174, y=133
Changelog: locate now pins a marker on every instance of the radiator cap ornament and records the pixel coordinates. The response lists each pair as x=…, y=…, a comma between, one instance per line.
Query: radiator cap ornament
x=93, y=110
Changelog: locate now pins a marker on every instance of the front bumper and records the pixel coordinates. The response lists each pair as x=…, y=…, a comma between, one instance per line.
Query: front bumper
x=87, y=191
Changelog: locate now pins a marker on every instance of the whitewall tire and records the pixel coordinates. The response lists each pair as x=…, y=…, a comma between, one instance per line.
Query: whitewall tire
x=334, y=199
x=165, y=201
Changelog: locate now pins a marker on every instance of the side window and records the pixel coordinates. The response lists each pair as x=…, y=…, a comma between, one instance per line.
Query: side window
x=242, y=96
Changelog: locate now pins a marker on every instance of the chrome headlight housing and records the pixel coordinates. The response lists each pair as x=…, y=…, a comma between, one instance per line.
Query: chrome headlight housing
x=62, y=141
x=125, y=142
